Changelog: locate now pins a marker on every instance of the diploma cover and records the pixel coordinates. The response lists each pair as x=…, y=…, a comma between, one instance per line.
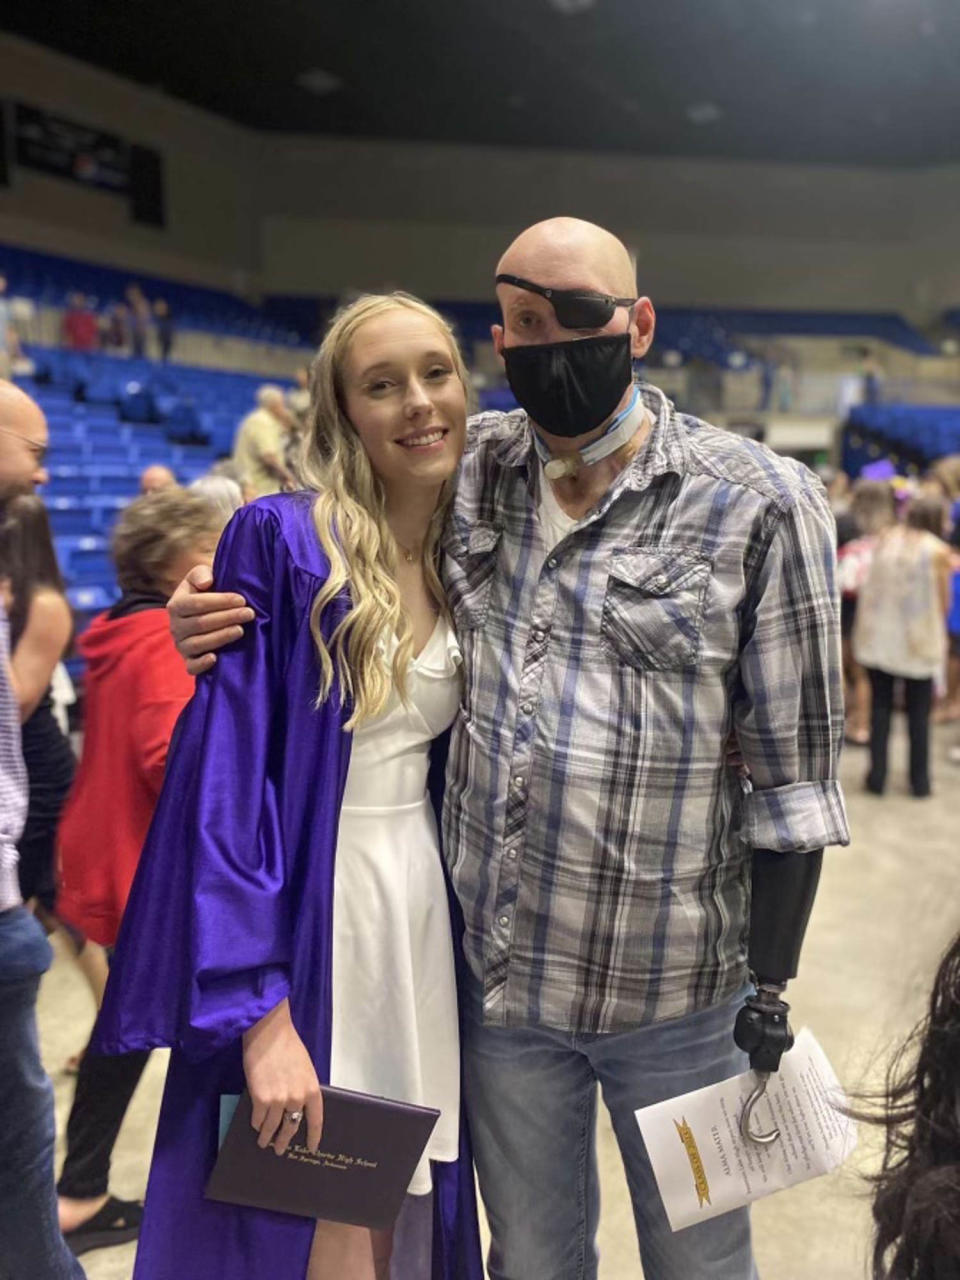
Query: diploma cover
x=360, y=1174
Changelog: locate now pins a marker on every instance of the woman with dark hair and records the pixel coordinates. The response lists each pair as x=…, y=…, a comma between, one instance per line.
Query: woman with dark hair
x=916, y=1204
x=40, y=629
x=41, y=625
x=901, y=632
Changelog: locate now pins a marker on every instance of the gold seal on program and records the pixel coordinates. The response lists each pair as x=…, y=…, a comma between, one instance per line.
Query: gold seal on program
x=696, y=1163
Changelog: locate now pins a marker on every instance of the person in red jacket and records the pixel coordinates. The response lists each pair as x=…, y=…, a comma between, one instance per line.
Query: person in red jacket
x=80, y=327
x=136, y=687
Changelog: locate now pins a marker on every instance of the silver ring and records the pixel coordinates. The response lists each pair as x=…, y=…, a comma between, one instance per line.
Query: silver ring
x=293, y=1117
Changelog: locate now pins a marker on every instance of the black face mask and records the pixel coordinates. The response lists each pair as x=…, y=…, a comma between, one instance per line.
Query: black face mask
x=570, y=388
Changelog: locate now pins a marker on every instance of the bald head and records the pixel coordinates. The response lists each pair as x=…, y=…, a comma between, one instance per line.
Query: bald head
x=19, y=412
x=568, y=253
x=157, y=478
x=23, y=442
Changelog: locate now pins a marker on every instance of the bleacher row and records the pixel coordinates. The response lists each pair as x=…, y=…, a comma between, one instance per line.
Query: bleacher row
x=96, y=458
x=711, y=334
x=911, y=436
x=212, y=400
x=48, y=280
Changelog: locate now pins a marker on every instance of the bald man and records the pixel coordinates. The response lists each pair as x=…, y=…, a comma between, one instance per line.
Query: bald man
x=156, y=478
x=30, y=1240
x=629, y=584
x=24, y=440
x=259, y=449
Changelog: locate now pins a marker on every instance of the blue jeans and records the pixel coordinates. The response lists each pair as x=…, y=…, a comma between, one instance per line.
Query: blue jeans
x=531, y=1095
x=31, y=1246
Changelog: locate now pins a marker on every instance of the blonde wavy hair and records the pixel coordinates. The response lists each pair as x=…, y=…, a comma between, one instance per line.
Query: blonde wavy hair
x=350, y=516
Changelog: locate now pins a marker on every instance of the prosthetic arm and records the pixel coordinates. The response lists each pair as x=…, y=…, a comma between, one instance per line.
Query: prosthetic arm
x=784, y=887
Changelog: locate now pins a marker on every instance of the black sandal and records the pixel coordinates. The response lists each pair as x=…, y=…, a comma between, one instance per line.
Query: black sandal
x=118, y=1222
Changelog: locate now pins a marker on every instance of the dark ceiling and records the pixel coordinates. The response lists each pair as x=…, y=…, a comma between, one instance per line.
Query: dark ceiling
x=834, y=81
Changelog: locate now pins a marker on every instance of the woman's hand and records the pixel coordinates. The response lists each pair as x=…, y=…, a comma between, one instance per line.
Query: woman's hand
x=203, y=621
x=281, y=1078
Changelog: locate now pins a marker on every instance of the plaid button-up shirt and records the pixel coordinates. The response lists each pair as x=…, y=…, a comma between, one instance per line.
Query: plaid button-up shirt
x=598, y=841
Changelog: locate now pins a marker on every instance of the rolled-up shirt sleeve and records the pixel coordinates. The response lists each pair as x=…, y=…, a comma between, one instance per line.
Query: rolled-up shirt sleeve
x=788, y=706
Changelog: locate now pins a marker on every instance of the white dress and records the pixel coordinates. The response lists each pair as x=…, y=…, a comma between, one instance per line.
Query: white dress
x=900, y=627
x=395, y=1030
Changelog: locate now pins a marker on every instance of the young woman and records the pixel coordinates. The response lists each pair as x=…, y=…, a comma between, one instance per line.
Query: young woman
x=40, y=628
x=289, y=922
x=872, y=510
x=901, y=631
x=41, y=625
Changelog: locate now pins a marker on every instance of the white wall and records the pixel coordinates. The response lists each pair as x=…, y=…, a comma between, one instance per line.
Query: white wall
x=313, y=215
x=435, y=218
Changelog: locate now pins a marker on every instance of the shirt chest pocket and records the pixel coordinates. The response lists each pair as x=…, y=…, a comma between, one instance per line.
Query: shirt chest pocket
x=468, y=574
x=653, y=607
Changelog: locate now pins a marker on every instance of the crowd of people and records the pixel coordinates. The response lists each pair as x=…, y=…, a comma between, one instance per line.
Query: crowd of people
x=130, y=327
x=431, y=625
x=899, y=577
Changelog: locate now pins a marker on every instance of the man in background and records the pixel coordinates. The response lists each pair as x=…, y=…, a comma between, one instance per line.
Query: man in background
x=140, y=316
x=30, y=1241
x=163, y=324
x=298, y=397
x=260, y=444
x=157, y=477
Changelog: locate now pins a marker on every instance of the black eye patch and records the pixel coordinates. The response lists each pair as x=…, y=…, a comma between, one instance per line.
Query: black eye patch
x=574, y=308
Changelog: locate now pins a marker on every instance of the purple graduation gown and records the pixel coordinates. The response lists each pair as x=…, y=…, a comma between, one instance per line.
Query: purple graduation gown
x=232, y=910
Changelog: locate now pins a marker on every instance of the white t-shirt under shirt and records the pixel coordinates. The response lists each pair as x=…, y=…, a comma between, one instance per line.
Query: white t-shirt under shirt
x=555, y=524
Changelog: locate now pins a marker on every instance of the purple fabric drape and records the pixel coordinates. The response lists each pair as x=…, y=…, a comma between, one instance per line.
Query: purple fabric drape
x=232, y=910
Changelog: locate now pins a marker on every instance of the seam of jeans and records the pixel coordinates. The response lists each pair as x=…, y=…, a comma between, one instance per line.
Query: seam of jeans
x=582, y=1173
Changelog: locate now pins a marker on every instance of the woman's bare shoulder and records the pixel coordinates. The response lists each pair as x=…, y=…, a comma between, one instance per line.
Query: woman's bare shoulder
x=49, y=608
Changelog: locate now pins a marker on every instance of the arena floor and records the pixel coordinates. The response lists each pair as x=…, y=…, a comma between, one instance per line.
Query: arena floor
x=886, y=910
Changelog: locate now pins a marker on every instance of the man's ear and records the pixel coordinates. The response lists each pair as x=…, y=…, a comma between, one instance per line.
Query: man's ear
x=496, y=333
x=643, y=323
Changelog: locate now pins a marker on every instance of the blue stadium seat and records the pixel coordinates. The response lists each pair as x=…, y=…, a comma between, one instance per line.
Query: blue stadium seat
x=67, y=452
x=91, y=567
x=67, y=482
x=90, y=600
x=68, y=516
x=912, y=436
x=122, y=484
x=68, y=545
x=112, y=451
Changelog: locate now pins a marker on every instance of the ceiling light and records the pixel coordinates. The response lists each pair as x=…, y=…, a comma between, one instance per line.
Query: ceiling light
x=318, y=81
x=703, y=113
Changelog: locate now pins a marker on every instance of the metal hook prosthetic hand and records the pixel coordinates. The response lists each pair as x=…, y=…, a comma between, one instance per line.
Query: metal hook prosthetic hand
x=784, y=887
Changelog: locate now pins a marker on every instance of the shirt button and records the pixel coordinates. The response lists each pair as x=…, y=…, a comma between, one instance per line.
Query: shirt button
x=527, y=708
x=539, y=635
x=518, y=783
x=512, y=855
x=504, y=920
x=552, y=562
